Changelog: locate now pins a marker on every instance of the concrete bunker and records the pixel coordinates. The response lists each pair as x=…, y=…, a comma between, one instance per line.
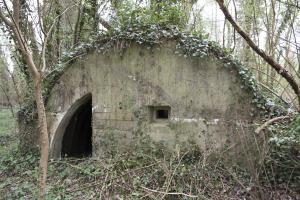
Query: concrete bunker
x=148, y=93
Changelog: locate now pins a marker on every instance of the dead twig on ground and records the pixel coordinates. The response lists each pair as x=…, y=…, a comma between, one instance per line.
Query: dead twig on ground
x=170, y=193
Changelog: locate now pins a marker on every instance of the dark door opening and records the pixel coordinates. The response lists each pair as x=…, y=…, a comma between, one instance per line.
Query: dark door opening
x=77, y=139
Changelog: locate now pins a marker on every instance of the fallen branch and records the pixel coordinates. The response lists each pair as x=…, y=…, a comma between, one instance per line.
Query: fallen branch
x=170, y=193
x=271, y=121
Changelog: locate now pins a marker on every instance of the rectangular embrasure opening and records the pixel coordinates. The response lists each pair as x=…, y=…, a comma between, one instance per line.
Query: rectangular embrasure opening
x=162, y=114
x=159, y=113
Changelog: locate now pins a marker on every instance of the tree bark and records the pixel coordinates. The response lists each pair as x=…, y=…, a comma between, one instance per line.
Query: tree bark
x=44, y=140
x=279, y=69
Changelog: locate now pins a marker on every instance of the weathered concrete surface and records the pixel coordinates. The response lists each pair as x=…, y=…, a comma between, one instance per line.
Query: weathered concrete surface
x=208, y=106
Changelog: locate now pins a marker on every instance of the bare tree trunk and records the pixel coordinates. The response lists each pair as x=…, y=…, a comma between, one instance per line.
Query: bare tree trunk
x=279, y=69
x=13, y=25
x=44, y=141
x=282, y=27
x=42, y=121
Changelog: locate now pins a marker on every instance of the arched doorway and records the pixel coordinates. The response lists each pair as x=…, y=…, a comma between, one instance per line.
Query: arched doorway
x=73, y=137
x=77, y=139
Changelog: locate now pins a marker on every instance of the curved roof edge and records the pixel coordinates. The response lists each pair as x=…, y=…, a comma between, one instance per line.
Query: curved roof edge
x=188, y=45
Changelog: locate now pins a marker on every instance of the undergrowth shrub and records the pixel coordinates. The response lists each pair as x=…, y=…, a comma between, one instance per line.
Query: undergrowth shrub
x=164, y=13
x=283, y=158
x=149, y=174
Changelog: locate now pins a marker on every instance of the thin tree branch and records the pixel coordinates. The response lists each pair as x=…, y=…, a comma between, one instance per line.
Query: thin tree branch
x=40, y=17
x=271, y=121
x=47, y=36
x=274, y=93
x=14, y=25
x=5, y=20
x=290, y=4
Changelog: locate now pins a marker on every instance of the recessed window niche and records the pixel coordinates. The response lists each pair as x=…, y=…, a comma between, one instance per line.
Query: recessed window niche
x=159, y=113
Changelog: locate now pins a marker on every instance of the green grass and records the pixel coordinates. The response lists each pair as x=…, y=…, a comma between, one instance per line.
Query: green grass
x=7, y=122
x=8, y=138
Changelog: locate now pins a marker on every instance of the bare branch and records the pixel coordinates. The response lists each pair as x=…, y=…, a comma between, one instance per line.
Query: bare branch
x=279, y=69
x=5, y=19
x=14, y=26
x=296, y=5
x=271, y=121
x=40, y=17
x=47, y=36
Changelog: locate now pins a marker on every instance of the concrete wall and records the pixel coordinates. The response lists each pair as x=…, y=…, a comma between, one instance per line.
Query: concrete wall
x=207, y=105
